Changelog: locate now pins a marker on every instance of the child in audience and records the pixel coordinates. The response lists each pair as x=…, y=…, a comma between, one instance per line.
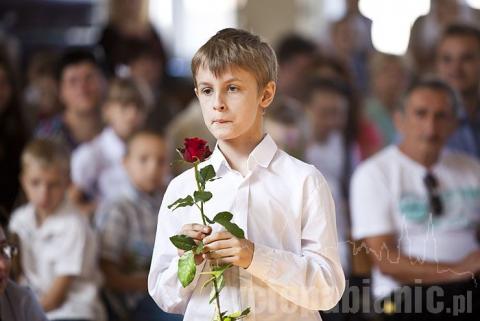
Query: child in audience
x=58, y=249
x=127, y=227
x=96, y=166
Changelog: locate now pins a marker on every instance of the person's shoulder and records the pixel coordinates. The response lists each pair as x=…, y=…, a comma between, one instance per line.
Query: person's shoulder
x=88, y=151
x=284, y=164
x=22, y=214
x=69, y=216
x=385, y=158
x=460, y=160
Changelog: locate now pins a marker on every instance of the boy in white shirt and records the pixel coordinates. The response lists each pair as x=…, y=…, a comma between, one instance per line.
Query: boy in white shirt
x=97, y=170
x=58, y=249
x=288, y=265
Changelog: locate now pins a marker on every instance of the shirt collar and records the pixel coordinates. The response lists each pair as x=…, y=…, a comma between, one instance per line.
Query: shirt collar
x=261, y=155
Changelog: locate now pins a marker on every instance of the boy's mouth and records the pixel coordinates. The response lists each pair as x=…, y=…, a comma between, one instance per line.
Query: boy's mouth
x=220, y=121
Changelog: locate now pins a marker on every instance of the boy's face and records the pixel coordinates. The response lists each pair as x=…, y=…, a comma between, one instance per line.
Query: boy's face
x=232, y=104
x=45, y=186
x=329, y=113
x=124, y=118
x=145, y=163
x=81, y=87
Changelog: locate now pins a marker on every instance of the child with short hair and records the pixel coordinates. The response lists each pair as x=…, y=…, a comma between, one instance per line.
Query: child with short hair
x=288, y=265
x=96, y=165
x=58, y=248
x=126, y=226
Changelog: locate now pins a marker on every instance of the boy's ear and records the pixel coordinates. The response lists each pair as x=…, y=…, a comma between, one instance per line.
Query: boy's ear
x=196, y=91
x=268, y=94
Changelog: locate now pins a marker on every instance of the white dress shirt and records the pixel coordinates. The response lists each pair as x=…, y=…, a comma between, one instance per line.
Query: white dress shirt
x=285, y=207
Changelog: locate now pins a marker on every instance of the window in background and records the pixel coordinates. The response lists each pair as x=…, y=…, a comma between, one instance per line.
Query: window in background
x=186, y=24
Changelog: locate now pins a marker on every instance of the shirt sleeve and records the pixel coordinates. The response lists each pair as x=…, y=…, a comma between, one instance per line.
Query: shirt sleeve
x=313, y=279
x=84, y=168
x=163, y=284
x=370, y=203
x=72, y=248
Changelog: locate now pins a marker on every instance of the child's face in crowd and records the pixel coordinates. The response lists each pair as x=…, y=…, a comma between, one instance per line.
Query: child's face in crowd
x=329, y=113
x=145, y=162
x=45, y=186
x=231, y=103
x=81, y=87
x=124, y=118
x=5, y=264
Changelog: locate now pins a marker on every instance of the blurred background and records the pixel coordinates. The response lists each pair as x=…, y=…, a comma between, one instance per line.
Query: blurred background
x=362, y=54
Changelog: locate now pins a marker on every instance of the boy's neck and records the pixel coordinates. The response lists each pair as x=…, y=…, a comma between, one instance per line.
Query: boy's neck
x=236, y=152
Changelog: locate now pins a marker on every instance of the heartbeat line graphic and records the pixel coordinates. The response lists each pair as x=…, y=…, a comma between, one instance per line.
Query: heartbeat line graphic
x=395, y=259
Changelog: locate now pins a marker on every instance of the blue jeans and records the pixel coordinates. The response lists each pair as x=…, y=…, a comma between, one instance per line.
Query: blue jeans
x=147, y=310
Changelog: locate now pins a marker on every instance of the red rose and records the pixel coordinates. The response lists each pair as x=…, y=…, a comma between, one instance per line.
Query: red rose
x=195, y=149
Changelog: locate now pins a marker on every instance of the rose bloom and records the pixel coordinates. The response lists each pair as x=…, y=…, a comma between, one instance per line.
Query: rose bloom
x=195, y=149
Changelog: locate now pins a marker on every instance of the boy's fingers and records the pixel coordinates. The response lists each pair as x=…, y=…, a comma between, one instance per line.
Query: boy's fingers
x=217, y=245
x=197, y=227
x=195, y=235
x=218, y=236
x=218, y=254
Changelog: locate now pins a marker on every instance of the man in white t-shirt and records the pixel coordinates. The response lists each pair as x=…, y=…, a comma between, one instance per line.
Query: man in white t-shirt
x=417, y=208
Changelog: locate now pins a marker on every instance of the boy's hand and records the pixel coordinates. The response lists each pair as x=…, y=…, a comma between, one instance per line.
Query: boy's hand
x=198, y=232
x=224, y=248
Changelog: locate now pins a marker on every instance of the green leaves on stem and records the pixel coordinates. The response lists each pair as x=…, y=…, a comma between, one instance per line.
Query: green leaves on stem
x=181, y=202
x=186, y=268
x=186, y=264
x=225, y=219
x=233, y=316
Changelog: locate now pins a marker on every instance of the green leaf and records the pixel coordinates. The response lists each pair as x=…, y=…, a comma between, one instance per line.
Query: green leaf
x=207, y=173
x=218, y=270
x=207, y=282
x=182, y=202
x=238, y=315
x=183, y=242
x=220, y=285
x=198, y=249
x=186, y=268
x=203, y=196
x=224, y=219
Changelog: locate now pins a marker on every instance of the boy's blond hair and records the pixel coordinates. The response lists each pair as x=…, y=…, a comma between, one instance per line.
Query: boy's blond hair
x=234, y=47
x=125, y=91
x=45, y=153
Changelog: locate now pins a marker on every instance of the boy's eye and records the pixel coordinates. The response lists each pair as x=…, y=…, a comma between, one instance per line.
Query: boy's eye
x=232, y=88
x=206, y=91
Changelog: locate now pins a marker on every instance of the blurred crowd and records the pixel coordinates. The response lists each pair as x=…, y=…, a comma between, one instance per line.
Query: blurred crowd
x=88, y=139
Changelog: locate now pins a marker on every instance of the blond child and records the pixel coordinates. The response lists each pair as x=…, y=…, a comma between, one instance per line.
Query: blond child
x=288, y=266
x=58, y=249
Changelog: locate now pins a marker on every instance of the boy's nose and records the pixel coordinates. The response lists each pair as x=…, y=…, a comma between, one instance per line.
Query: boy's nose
x=218, y=104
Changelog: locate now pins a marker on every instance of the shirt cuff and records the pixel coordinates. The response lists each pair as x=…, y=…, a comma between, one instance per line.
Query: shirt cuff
x=262, y=262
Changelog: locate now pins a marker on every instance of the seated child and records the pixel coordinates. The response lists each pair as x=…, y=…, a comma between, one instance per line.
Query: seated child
x=96, y=166
x=58, y=248
x=127, y=225
x=287, y=267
